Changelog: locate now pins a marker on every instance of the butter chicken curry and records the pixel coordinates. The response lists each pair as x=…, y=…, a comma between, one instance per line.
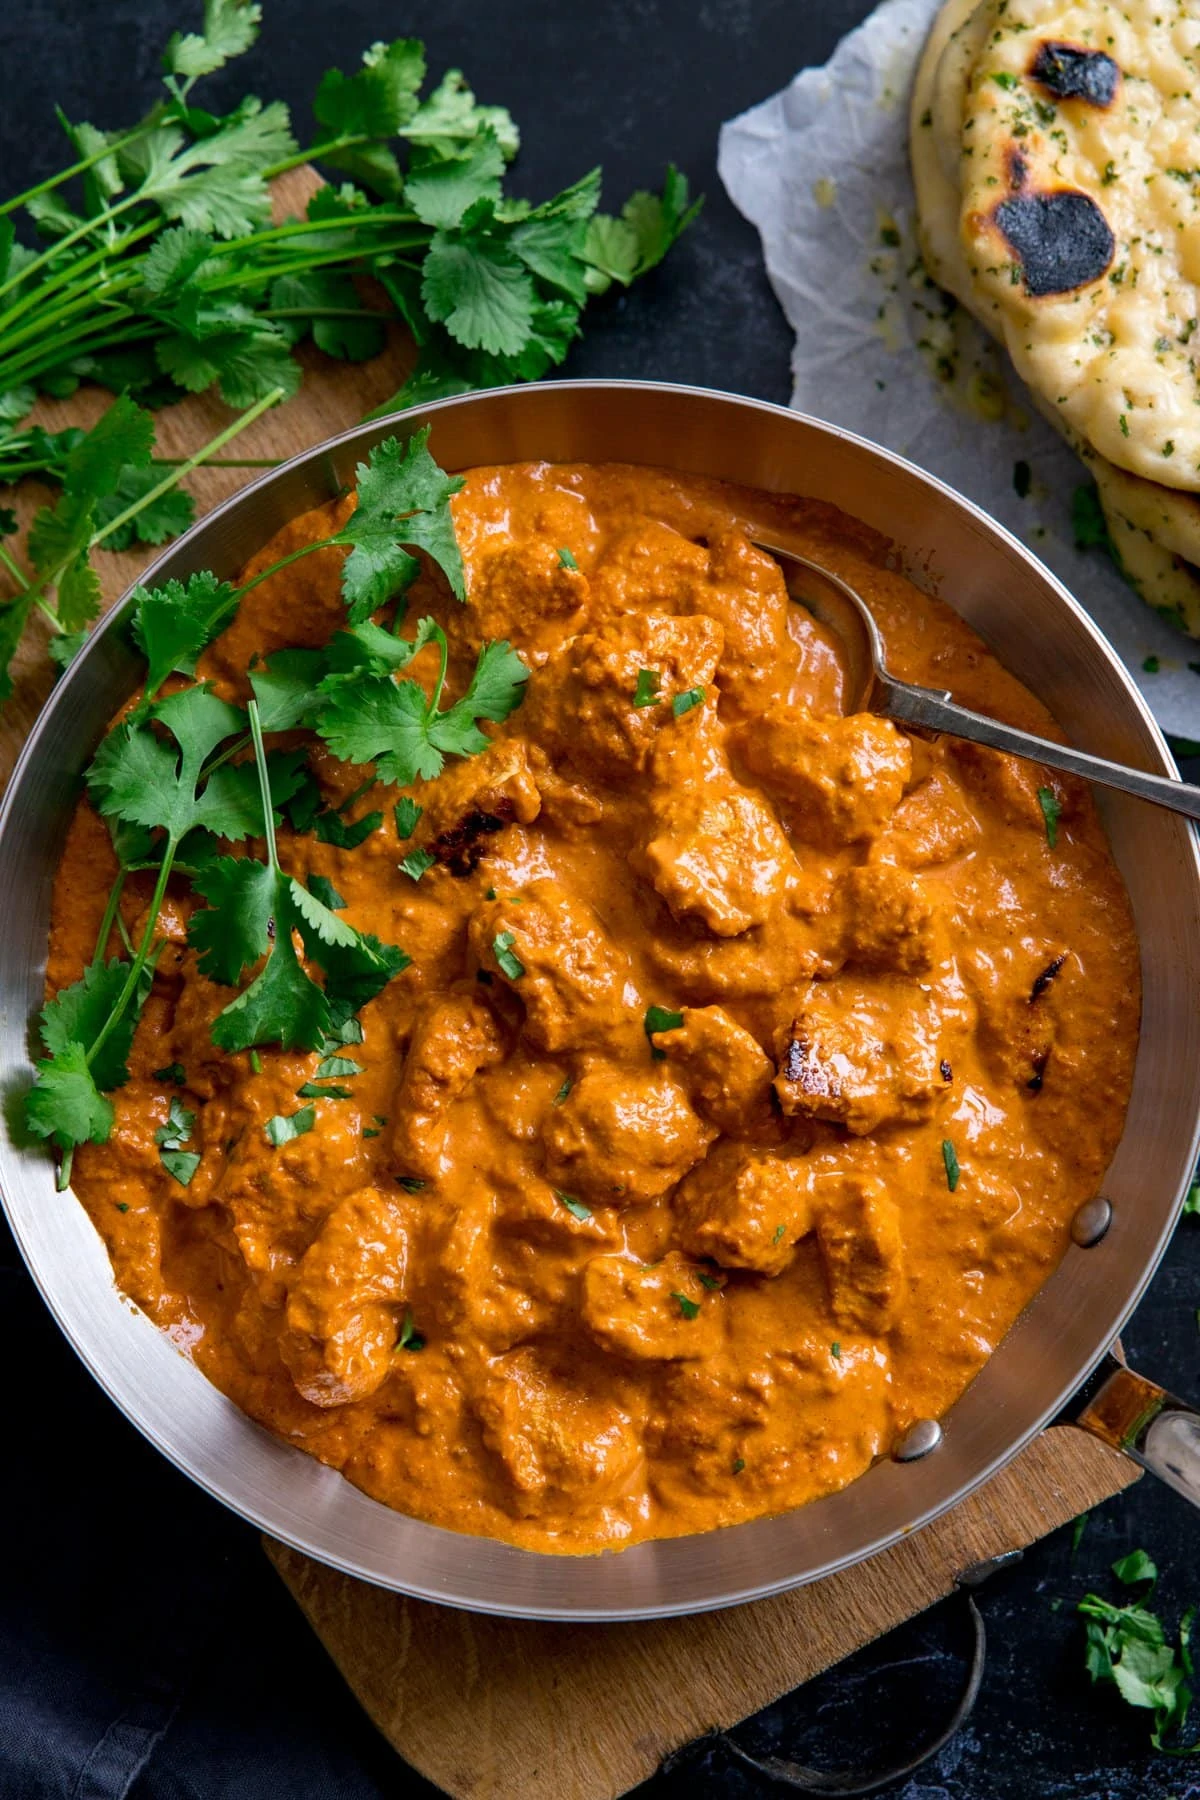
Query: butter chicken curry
x=748, y=1065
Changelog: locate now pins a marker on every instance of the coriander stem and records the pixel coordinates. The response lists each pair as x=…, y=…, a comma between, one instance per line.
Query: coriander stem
x=264, y=786
x=78, y=168
x=351, y=141
x=444, y=649
x=15, y=570
x=68, y=277
x=83, y=230
x=139, y=961
x=110, y=914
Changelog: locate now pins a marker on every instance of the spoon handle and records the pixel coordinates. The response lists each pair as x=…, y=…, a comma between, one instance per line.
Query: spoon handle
x=937, y=712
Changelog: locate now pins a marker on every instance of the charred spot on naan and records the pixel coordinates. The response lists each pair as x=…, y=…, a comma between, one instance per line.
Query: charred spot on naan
x=1061, y=240
x=1073, y=72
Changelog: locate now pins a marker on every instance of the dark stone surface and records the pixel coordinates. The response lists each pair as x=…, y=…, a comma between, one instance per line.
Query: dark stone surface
x=134, y=1609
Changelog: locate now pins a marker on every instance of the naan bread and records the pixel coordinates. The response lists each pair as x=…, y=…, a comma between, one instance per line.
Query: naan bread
x=1155, y=529
x=1080, y=216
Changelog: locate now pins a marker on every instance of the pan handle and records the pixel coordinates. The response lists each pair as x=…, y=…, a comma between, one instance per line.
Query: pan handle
x=1144, y=1421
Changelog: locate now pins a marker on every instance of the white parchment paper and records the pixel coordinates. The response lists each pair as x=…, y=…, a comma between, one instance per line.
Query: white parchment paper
x=821, y=169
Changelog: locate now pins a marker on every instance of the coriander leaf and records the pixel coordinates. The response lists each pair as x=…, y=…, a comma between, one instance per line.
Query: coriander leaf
x=65, y=1104
x=287, y=689
x=319, y=922
x=646, y=693
x=441, y=190
x=178, y=1128
x=689, y=1308
x=173, y=622
x=230, y=28
x=1135, y=1567
x=332, y=1066
x=407, y=815
x=450, y=116
x=314, y=1090
x=576, y=1208
x=661, y=1018
x=77, y=1014
x=320, y=292
x=282, y=1129
x=13, y=619
x=234, y=930
x=506, y=960
x=477, y=288
x=496, y=689
x=79, y=593
x=611, y=250
x=367, y=649
x=377, y=100
x=950, y=1158
x=60, y=533
x=65, y=646
x=410, y=1338
x=281, y=1005
x=245, y=365
x=137, y=776
x=658, y=219
x=683, y=703
x=122, y=437
x=174, y=259
x=331, y=828
x=325, y=891
x=175, y=1073
x=182, y=1164
x=403, y=498
x=1051, y=807
x=416, y=863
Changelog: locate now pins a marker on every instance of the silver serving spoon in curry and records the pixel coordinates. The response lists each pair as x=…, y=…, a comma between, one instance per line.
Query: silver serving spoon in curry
x=870, y=687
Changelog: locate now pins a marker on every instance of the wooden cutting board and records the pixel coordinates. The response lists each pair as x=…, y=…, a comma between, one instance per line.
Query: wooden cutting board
x=494, y=1709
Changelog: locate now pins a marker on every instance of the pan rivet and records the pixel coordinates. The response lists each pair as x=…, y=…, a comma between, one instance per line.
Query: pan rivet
x=1091, y=1222
x=918, y=1441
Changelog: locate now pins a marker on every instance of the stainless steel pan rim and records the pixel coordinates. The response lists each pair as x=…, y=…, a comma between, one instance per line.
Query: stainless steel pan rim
x=1041, y=633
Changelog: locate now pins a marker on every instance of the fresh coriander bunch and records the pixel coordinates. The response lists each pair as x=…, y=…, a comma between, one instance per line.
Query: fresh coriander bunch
x=161, y=272
x=185, y=780
x=150, y=265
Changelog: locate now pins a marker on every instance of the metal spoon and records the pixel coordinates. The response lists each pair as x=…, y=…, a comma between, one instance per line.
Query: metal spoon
x=870, y=688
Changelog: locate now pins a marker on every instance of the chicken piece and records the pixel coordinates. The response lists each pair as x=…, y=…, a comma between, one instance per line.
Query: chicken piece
x=1008, y=785
x=1019, y=998
x=582, y=704
x=932, y=825
x=889, y=920
x=650, y=567
x=474, y=799
x=522, y=592
x=844, y=777
x=342, y=1300
x=863, y=1256
x=572, y=982
x=745, y=1211
x=726, y=1071
x=718, y=855
x=745, y=593
x=657, y=1312
x=554, y=1438
x=863, y=1051
x=623, y=1135
x=454, y=1036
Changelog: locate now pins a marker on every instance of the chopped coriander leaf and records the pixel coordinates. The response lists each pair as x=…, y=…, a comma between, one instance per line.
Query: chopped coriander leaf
x=576, y=1208
x=1151, y=664
x=174, y=1072
x=379, y=1118
x=835, y=1350
x=181, y=1164
x=689, y=1308
x=326, y=893
x=1191, y=1200
x=710, y=1282
x=646, y=693
x=491, y=894
x=950, y=1158
x=779, y=1231
x=563, y=1091
x=683, y=703
x=1051, y=812
x=739, y=1463
x=1128, y=1646
x=416, y=863
x=660, y=1018
x=332, y=1066
x=568, y=561
x=178, y=1128
x=371, y=1131
x=122, y=1206
x=1078, y=1529
x=314, y=1090
x=407, y=814
x=506, y=961
x=283, y=1128
x=255, y=1062
x=332, y=829
x=411, y=1183
x=410, y=1338
x=1134, y=1568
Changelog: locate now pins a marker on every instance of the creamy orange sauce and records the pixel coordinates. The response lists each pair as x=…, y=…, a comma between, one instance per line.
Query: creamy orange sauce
x=764, y=1275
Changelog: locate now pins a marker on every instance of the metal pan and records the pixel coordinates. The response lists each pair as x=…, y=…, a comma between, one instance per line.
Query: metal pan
x=1060, y=1344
